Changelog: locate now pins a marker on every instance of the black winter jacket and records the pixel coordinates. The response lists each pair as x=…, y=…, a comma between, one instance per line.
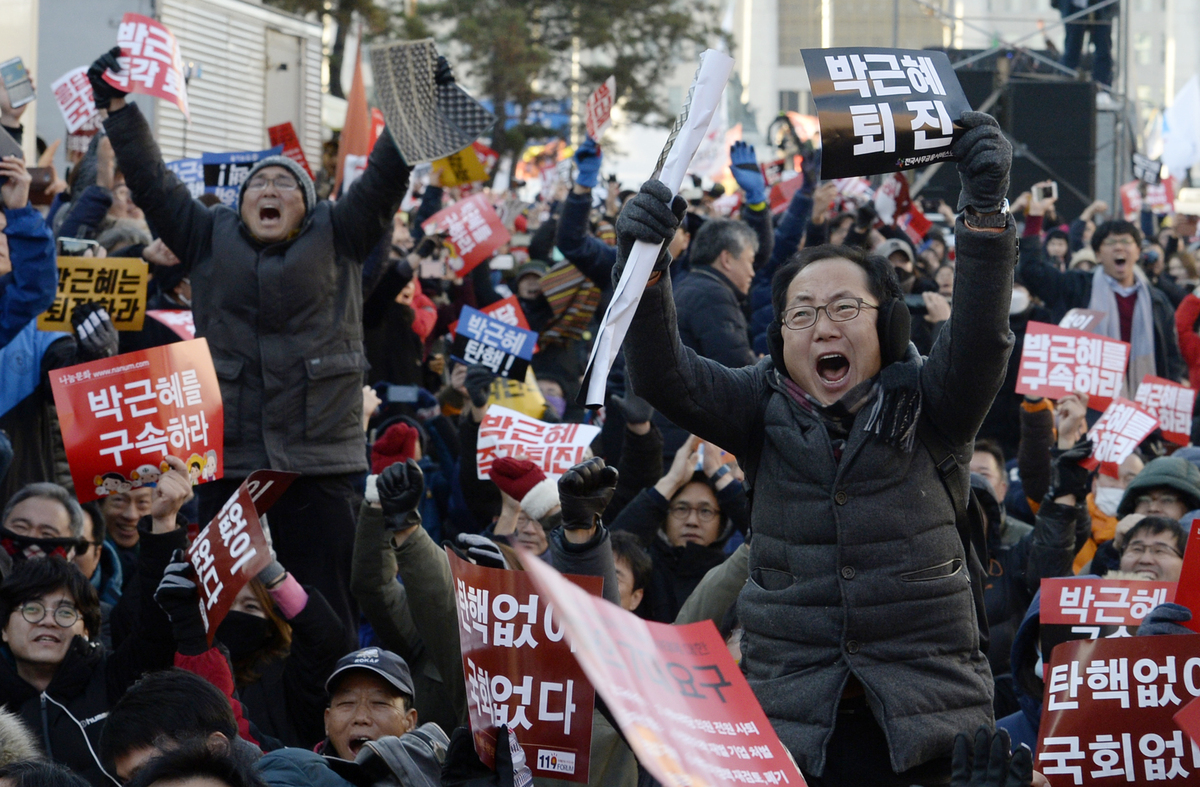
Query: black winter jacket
x=69, y=715
x=283, y=320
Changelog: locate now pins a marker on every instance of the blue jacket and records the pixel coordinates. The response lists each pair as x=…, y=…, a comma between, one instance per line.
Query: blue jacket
x=1023, y=725
x=29, y=289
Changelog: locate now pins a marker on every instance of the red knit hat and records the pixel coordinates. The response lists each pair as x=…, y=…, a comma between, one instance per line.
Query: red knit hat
x=397, y=444
x=525, y=482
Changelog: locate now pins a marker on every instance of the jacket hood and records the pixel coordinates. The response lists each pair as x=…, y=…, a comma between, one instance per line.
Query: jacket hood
x=16, y=741
x=1168, y=472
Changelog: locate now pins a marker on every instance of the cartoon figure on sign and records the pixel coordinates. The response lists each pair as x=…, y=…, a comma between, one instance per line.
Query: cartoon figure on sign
x=195, y=466
x=146, y=475
x=109, y=483
x=210, y=467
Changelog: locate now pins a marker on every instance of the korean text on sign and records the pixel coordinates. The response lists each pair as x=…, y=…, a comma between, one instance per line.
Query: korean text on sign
x=116, y=282
x=503, y=348
x=1057, y=361
x=474, y=229
x=519, y=669
x=226, y=554
x=73, y=94
x=598, y=111
x=150, y=61
x=1171, y=403
x=555, y=448
x=883, y=110
x=1122, y=426
x=224, y=173
x=121, y=416
x=679, y=698
x=1075, y=608
x=190, y=172
x=1108, y=712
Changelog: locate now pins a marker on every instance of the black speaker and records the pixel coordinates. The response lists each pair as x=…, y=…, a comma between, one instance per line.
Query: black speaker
x=1053, y=126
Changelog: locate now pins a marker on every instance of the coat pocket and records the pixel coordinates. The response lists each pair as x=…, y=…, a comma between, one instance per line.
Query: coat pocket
x=333, y=391
x=772, y=578
x=229, y=374
x=940, y=571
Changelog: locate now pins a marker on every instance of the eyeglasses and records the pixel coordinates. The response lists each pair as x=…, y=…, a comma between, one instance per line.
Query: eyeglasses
x=841, y=310
x=1138, y=548
x=280, y=182
x=1162, y=500
x=35, y=612
x=704, y=513
x=1110, y=242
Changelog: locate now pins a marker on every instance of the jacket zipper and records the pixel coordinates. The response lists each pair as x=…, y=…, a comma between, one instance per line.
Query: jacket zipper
x=46, y=728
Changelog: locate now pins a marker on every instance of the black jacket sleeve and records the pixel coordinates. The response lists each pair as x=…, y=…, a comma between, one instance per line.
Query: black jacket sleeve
x=184, y=224
x=640, y=467
x=760, y=222
x=318, y=641
x=482, y=496
x=364, y=214
x=1051, y=545
x=643, y=516
x=594, y=258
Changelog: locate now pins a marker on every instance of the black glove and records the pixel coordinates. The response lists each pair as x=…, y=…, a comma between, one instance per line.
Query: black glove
x=479, y=383
x=984, y=159
x=635, y=409
x=103, y=92
x=993, y=767
x=584, y=492
x=442, y=74
x=1166, y=619
x=94, y=331
x=651, y=215
x=401, y=487
x=1067, y=476
x=483, y=550
x=179, y=598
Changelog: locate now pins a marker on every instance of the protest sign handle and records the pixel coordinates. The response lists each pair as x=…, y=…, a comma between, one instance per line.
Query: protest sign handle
x=704, y=97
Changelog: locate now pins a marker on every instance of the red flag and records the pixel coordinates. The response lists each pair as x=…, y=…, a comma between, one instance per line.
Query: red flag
x=356, y=131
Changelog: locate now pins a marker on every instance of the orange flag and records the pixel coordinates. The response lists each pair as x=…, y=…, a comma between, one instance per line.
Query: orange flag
x=356, y=131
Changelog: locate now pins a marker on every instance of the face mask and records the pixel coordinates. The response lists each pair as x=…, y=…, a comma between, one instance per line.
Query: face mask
x=1108, y=498
x=243, y=633
x=1020, y=302
x=26, y=547
x=558, y=404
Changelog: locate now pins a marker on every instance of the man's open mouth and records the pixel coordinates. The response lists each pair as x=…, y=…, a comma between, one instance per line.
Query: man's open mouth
x=268, y=214
x=833, y=367
x=357, y=743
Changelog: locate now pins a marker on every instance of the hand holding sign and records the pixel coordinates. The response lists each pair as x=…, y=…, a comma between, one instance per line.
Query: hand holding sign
x=984, y=160
x=173, y=490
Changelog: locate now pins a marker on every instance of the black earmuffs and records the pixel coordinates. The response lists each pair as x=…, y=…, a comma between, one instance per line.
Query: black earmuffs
x=894, y=324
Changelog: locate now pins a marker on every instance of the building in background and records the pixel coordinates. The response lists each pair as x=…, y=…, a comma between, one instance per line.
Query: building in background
x=257, y=67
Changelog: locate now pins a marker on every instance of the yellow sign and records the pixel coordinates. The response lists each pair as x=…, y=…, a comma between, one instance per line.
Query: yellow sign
x=117, y=283
x=524, y=397
x=461, y=167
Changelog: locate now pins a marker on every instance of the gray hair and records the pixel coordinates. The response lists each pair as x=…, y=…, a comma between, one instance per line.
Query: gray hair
x=52, y=492
x=718, y=235
x=124, y=232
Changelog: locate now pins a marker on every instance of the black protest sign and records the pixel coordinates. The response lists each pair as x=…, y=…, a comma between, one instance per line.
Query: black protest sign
x=1146, y=169
x=883, y=110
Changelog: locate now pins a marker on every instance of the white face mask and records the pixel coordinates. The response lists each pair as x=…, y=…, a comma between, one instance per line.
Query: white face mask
x=1020, y=302
x=1108, y=498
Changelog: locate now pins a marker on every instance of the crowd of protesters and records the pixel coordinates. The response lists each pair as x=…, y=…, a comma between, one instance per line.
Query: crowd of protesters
x=808, y=351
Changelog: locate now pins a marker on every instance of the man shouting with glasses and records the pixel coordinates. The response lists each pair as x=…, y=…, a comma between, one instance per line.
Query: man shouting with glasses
x=861, y=638
x=277, y=292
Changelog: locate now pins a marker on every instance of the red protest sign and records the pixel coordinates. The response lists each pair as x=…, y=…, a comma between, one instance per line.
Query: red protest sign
x=1171, y=403
x=231, y=549
x=1078, y=608
x=556, y=448
x=1057, y=361
x=121, y=416
x=73, y=94
x=284, y=134
x=679, y=698
x=1188, y=720
x=1080, y=319
x=1107, y=712
x=773, y=171
x=1159, y=196
x=598, y=112
x=181, y=321
x=1187, y=591
x=1122, y=426
x=507, y=311
x=150, y=61
x=519, y=670
x=474, y=228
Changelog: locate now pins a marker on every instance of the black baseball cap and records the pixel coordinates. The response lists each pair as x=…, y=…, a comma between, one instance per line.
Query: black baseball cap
x=382, y=662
